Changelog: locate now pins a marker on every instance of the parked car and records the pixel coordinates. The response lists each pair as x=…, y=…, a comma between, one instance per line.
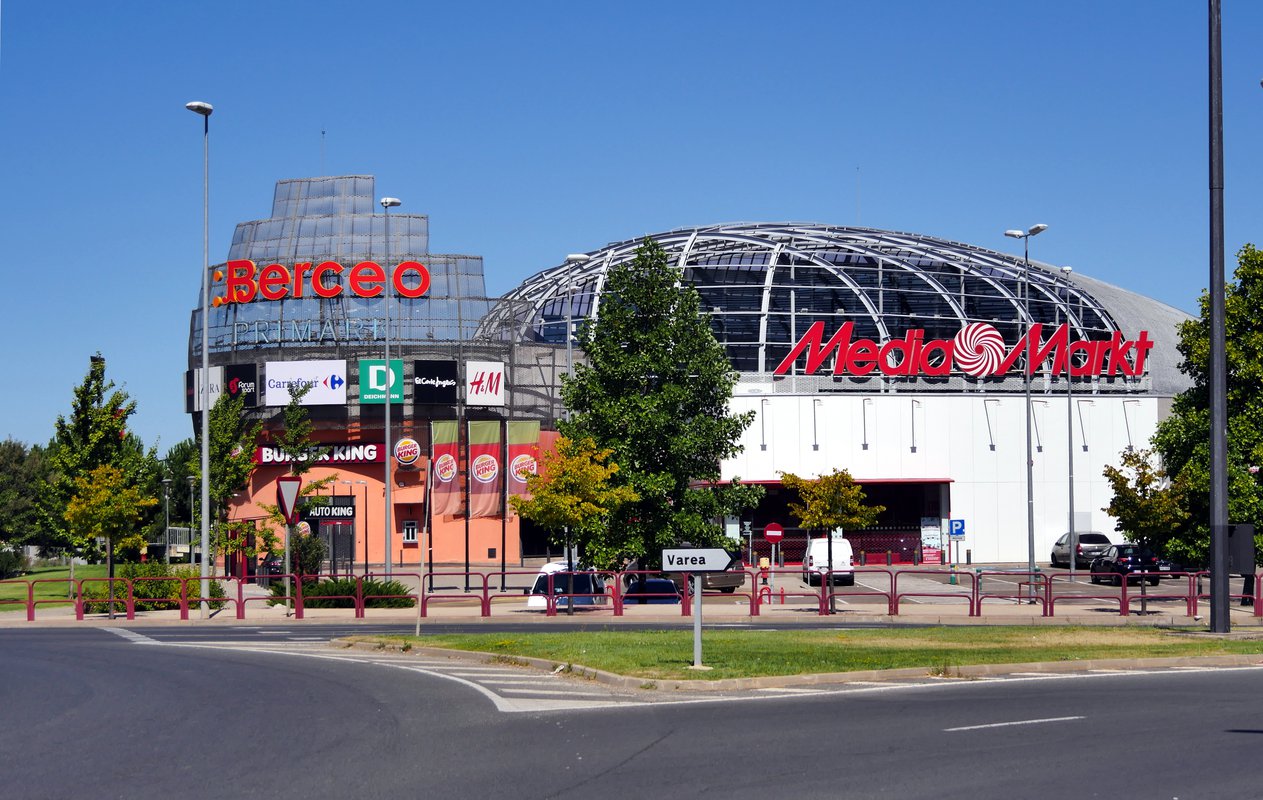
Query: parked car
x=816, y=561
x=1120, y=560
x=1090, y=545
x=727, y=582
x=272, y=565
x=651, y=590
x=587, y=586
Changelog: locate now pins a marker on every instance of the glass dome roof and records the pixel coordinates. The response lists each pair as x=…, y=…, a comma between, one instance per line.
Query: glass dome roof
x=764, y=284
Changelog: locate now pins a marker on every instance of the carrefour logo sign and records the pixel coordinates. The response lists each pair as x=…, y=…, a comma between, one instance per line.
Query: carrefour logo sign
x=325, y=382
x=978, y=350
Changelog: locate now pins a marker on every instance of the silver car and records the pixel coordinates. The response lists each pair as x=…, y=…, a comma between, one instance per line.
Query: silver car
x=1091, y=545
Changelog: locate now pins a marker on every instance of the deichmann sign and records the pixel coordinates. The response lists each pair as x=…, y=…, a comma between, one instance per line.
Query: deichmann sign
x=337, y=454
x=978, y=350
x=244, y=283
x=373, y=381
x=325, y=380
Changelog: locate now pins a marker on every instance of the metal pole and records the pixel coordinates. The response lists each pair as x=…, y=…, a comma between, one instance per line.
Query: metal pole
x=205, y=110
x=387, y=203
x=1074, y=538
x=1030, y=459
x=1219, y=622
x=192, y=508
x=697, y=620
x=166, y=531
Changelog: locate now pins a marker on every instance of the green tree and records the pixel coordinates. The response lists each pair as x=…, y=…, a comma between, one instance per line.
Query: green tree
x=829, y=502
x=655, y=392
x=22, y=476
x=107, y=505
x=180, y=461
x=232, y=438
x=1182, y=438
x=574, y=495
x=1149, y=509
x=94, y=435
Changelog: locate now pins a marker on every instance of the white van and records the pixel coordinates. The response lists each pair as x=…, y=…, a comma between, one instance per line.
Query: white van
x=816, y=560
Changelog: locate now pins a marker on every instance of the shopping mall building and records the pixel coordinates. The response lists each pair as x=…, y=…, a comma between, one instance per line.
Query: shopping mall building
x=900, y=358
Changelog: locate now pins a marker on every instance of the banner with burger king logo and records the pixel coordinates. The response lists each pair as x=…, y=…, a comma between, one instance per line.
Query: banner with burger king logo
x=523, y=455
x=486, y=474
x=444, y=468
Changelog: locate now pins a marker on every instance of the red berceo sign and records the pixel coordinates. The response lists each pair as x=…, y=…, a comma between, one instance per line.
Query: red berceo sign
x=773, y=532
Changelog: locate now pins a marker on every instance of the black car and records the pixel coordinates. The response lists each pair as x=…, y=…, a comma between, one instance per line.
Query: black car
x=651, y=590
x=1120, y=560
x=272, y=565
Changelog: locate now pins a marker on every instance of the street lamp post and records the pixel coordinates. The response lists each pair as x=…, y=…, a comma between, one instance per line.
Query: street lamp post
x=1034, y=230
x=1074, y=537
x=387, y=204
x=571, y=261
x=204, y=110
x=192, y=505
x=166, y=531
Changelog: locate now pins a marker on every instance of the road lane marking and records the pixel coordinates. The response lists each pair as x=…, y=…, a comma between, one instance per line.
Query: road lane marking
x=132, y=636
x=1009, y=724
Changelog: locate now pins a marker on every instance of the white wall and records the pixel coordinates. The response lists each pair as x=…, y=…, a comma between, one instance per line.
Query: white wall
x=952, y=442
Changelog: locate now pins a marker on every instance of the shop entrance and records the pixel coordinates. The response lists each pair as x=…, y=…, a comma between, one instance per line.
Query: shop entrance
x=339, y=540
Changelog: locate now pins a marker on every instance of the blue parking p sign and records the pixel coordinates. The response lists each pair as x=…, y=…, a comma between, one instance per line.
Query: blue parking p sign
x=956, y=528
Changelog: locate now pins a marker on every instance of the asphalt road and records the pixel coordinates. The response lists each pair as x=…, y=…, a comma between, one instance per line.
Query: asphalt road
x=157, y=713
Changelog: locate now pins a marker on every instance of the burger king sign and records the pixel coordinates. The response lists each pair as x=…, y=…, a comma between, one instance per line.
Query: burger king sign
x=407, y=453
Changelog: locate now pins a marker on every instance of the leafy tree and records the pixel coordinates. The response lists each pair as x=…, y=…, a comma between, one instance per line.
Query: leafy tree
x=178, y=465
x=107, y=505
x=831, y=501
x=94, y=435
x=1149, y=509
x=22, y=476
x=295, y=437
x=232, y=440
x=1182, y=438
x=574, y=492
x=655, y=392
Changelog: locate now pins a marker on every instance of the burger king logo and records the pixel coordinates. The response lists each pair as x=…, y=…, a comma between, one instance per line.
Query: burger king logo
x=445, y=467
x=523, y=466
x=486, y=468
x=304, y=528
x=407, y=452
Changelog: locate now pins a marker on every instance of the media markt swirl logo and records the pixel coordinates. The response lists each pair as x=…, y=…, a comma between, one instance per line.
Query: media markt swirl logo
x=486, y=468
x=978, y=349
x=445, y=468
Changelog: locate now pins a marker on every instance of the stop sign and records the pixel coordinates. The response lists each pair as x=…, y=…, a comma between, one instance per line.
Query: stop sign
x=773, y=532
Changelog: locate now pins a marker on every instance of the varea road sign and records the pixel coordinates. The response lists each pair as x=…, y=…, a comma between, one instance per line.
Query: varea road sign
x=696, y=559
x=955, y=528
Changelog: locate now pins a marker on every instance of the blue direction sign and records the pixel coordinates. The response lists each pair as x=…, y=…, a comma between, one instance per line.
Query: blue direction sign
x=956, y=528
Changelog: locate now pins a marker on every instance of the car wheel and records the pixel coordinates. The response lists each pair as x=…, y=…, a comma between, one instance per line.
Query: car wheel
x=1053, y=562
x=1154, y=581
x=848, y=580
x=728, y=589
x=1118, y=580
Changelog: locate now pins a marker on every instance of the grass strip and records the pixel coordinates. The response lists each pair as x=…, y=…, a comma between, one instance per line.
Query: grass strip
x=667, y=654
x=17, y=588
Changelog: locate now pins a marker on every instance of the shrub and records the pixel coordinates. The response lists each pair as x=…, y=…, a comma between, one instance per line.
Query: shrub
x=317, y=594
x=167, y=590
x=12, y=564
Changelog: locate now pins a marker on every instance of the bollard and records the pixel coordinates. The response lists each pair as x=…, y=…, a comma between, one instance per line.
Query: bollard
x=863, y=558
x=969, y=556
x=889, y=560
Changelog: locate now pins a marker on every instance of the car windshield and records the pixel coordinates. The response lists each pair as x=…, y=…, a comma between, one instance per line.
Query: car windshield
x=582, y=583
x=1093, y=538
x=1134, y=550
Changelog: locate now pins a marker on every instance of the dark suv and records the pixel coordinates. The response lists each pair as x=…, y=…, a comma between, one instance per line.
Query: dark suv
x=1120, y=560
x=1090, y=545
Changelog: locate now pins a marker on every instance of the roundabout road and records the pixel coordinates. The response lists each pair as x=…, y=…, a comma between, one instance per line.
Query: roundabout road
x=132, y=713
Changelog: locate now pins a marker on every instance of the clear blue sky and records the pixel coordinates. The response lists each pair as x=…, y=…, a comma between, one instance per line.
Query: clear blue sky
x=531, y=130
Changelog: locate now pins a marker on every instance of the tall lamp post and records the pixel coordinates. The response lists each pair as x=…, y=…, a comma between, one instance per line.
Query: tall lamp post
x=192, y=508
x=387, y=204
x=571, y=261
x=1025, y=236
x=204, y=111
x=166, y=531
x=1074, y=537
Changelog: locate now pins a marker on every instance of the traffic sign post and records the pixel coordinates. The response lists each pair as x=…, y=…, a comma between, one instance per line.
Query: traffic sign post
x=773, y=532
x=697, y=560
x=287, y=487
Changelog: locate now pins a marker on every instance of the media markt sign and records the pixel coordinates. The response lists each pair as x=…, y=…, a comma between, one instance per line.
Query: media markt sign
x=373, y=381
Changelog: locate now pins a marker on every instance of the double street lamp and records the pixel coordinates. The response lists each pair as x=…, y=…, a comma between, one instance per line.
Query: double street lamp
x=572, y=260
x=1025, y=236
x=166, y=530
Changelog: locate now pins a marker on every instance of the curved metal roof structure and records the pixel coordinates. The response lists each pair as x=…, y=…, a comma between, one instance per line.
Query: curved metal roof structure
x=764, y=284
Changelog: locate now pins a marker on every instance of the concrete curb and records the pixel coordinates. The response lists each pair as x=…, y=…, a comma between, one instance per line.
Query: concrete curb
x=815, y=679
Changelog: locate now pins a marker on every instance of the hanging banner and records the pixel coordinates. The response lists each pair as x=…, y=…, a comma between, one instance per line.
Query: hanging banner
x=523, y=455
x=485, y=472
x=444, y=458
